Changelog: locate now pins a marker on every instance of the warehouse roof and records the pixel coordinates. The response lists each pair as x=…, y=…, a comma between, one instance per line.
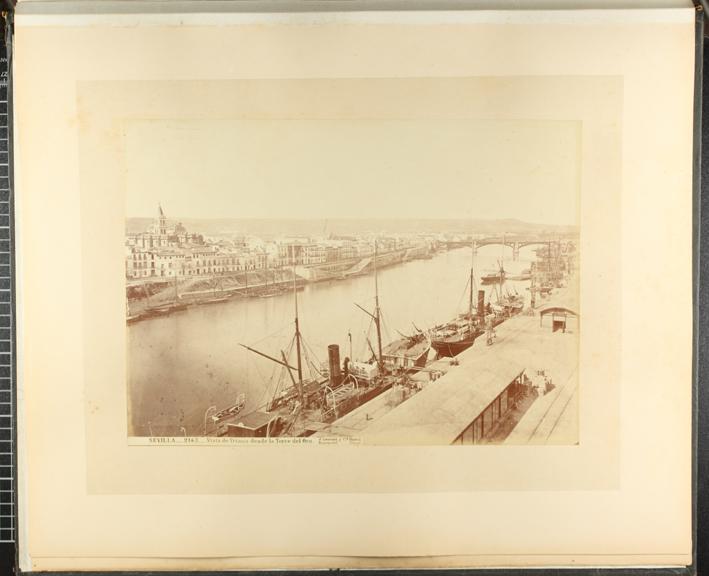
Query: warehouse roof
x=557, y=310
x=442, y=410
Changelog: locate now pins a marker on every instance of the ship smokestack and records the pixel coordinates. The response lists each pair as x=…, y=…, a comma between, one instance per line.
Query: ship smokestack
x=481, y=303
x=333, y=356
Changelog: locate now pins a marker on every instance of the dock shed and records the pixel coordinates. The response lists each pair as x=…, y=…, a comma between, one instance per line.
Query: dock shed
x=560, y=316
x=460, y=408
x=494, y=411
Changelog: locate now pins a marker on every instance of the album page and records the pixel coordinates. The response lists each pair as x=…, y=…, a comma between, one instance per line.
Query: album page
x=365, y=289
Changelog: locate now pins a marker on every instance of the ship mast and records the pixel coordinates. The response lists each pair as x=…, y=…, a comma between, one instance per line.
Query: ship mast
x=502, y=268
x=284, y=361
x=297, y=337
x=376, y=316
x=377, y=311
x=472, y=283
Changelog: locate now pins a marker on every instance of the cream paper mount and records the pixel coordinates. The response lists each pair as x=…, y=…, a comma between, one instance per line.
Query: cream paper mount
x=607, y=500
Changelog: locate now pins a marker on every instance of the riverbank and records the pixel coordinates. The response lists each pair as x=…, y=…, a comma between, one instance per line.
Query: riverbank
x=143, y=296
x=206, y=290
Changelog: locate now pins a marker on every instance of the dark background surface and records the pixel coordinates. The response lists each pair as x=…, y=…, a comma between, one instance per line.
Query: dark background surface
x=702, y=489
x=8, y=553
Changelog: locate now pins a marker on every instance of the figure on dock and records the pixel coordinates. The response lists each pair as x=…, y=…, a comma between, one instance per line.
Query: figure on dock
x=490, y=332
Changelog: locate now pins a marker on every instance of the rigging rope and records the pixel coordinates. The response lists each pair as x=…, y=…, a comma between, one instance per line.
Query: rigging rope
x=312, y=367
x=268, y=336
x=266, y=383
x=463, y=295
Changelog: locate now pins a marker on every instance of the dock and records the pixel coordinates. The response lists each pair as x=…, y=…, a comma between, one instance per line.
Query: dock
x=488, y=393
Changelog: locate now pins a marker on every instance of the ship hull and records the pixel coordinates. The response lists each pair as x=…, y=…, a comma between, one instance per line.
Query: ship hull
x=449, y=349
x=217, y=300
x=487, y=280
x=163, y=310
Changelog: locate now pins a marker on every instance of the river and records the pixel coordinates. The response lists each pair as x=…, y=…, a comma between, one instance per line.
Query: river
x=180, y=365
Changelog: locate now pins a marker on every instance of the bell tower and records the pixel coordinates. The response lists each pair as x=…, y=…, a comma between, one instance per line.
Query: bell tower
x=162, y=222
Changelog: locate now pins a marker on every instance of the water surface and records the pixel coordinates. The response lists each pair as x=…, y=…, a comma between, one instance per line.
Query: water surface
x=180, y=365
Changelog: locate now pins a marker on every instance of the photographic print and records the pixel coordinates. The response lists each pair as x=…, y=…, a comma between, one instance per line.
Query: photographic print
x=372, y=280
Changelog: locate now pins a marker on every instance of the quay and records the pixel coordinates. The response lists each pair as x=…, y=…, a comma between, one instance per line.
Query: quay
x=169, y=268
x=488, y=393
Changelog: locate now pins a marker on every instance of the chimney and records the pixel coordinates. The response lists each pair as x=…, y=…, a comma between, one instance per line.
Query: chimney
x=481, y=303
x=333, y=356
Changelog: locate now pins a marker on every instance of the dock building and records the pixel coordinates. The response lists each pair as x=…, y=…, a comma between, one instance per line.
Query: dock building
x=486, y=392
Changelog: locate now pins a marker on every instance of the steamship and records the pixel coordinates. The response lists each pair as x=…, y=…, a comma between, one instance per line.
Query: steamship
x=494, y=277
x=459, y=334
x=452, y=338
x=306, y=404
x=408, y=353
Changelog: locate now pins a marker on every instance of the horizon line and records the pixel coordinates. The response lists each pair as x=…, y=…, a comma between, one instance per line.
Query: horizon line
x=340, y=218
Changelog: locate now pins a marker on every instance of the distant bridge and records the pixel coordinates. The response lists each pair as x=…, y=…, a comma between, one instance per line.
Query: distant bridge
x=516, y=242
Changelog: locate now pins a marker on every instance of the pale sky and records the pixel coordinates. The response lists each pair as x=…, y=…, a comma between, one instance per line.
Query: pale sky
x=329, y=168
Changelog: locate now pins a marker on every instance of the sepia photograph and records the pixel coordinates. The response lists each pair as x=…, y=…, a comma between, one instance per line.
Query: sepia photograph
x=374, y=281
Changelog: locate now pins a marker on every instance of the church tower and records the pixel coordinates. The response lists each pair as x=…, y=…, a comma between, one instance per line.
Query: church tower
x=162, y=222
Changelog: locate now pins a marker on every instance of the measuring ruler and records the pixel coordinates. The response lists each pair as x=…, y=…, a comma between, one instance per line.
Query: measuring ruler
x=8, y=502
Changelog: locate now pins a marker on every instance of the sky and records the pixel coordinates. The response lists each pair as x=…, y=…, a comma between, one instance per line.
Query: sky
x=355, y=168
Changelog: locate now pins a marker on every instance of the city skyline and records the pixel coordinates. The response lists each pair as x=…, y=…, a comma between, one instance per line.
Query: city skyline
x=269, y=227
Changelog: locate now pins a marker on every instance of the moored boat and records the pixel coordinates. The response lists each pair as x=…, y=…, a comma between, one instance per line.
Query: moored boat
x=509, y=304
x=215, y=300
x=156, y=310
x=494, y=277
x=273, y=290
x=309, y=403
x=452, y=338
x=407, y=353
x=164, y=309
x=456, y=336
x=231, y=411
x=132, y=317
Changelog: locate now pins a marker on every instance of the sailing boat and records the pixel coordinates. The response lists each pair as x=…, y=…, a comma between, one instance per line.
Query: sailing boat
x=163, y=309
x=131, y=318
x=217, y=298
x=498, y=276
x=281, y=415
x=508, y=304
x=276, y=288
x=459, y=334
x=307, y=404
x=409, y=352
x=494, y=277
